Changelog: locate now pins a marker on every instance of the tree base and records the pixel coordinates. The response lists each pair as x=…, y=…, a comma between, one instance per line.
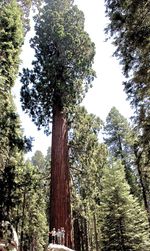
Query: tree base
x=56, y=247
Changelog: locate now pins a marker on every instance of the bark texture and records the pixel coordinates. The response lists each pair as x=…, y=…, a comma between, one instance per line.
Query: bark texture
x=60, y=209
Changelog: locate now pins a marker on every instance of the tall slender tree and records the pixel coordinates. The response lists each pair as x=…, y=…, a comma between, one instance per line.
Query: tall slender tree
x=61, y=74
x=119, y=137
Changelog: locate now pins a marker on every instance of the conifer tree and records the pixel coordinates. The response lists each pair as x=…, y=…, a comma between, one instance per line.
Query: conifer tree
x=61, y=74
x=38, y=160
x=124, y=222
x=129, y=27
x=120, y=138
x=11, y=136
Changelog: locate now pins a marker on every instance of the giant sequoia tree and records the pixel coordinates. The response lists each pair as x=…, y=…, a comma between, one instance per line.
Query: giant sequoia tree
x=61, y=74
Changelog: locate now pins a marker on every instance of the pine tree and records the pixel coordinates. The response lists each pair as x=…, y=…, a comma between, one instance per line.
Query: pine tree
x=124, y=222
x=61, y=74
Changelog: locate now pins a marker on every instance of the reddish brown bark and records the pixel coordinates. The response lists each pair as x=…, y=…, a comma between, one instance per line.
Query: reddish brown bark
x=60, y=209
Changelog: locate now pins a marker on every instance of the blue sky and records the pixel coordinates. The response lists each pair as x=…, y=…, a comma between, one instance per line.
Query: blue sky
x=107, y=90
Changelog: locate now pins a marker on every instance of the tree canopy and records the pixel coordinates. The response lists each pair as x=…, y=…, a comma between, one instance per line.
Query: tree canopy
x=62, y=69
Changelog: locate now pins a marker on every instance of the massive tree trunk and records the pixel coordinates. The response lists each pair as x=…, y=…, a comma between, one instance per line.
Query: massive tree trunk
x=60, y=209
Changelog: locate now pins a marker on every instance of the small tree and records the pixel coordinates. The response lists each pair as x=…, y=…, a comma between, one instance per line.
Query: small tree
x=61, y=74
x=124, y=222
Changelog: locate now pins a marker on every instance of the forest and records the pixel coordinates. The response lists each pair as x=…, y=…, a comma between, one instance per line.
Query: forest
x=98, y=191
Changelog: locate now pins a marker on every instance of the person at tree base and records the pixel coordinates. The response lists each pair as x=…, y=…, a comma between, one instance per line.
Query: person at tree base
x=52, y=235
x=62, y=235
x=57, y=237
x=59, y=234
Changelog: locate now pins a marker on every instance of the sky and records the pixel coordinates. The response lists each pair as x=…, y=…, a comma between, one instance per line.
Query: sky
x=107, y=90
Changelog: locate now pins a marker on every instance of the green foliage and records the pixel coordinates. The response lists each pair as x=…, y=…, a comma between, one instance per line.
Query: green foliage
x=131, y=36
x=120, y=138
x=25, y=7
x=11, y=136
x=87, y=160
x=85, y=152
x=130, y=29
x=42, y=164
x=62, y=69
x=124, y=222
x=38, y=160
x=31, y=208
x=11, y=40
x=12, y=143
x=20, y=200
x=118, y=134
x=7, y=188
